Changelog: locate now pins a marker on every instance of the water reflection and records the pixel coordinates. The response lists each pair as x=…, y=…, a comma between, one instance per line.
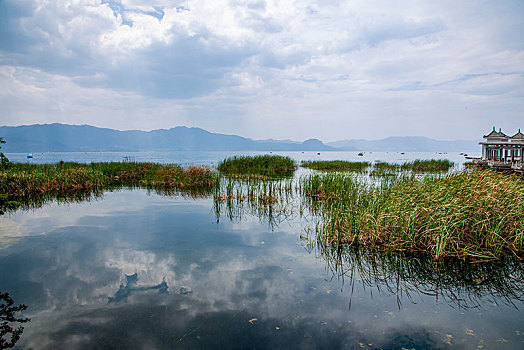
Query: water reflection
x=11, y=321
x=238, y=284
x=131, y=286
x=451, y=281
x=36, y=201
x=460, y=283
x=271, y=201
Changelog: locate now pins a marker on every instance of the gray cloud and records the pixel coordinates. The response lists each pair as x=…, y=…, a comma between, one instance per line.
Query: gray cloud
x=233, y=66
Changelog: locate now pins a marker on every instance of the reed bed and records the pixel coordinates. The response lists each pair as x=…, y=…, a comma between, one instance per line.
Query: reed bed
x=473, y=214
x=383, y=166
x=430, y=165
x=21, y=183
x=266, y=165
x=335, y=165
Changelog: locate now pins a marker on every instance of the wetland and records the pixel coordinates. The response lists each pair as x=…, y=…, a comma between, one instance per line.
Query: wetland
x=281, y=261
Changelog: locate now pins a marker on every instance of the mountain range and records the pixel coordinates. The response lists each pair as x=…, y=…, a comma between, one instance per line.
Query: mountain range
x=85, y=138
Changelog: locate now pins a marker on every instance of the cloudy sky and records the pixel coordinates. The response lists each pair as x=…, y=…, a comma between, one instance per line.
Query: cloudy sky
x=266, y=68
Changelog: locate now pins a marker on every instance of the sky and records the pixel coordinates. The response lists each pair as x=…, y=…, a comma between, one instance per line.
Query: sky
x=282, y=69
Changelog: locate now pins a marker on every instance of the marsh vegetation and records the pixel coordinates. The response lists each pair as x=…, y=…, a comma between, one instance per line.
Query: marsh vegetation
x=29, y=185
x=335, y=165
x=379, y=167
x=470, y=214
x=478, y=214
x=406, y=238
x=474, y=214
x=257, y=166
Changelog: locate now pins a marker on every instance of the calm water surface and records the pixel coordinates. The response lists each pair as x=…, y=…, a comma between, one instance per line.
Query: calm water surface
x=134, y=269
x=212, y=158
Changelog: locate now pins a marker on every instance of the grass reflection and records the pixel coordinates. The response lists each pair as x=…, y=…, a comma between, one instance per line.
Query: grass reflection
x=455, y=281
x=272, y=201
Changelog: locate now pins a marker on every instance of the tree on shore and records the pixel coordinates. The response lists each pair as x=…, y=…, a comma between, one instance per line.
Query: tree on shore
x=9, y=335
x=3, y=159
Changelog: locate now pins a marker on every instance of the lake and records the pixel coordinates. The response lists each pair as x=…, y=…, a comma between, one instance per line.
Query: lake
x=212, y=158
x=136, y=269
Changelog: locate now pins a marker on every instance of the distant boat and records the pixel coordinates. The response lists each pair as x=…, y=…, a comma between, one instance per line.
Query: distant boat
x=30, y=155
x=360, y=154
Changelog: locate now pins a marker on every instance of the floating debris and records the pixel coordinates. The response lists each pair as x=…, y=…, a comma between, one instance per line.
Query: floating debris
x=185, y=291
x=470, y=332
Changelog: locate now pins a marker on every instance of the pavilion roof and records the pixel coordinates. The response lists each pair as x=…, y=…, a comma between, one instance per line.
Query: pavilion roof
x=494, y=133
x=518, y=136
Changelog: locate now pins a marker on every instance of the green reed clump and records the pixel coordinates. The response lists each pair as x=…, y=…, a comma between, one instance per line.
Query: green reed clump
x=383, y=166
x=477, y=214
x=128, y=173
x=269, y=165
x=431, y=165
x=177, y=177
x=335, y=165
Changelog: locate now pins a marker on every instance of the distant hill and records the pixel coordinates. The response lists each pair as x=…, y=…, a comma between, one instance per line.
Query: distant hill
x=406, y=144
x=85, y=138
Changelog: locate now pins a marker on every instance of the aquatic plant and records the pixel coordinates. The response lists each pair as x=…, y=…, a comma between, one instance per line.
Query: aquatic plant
x=431, y=165
x=418, y=165
x=268, y=165
x=24, y=184
x=335, y=165
x=272, y=201
x=386, y=166
x=476, y=214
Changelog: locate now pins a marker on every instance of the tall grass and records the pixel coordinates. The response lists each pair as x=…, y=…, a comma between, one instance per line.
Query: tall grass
x=268, y=165
x=335, y=165
x=418, y=165
x=386, y=166
x=23, y=183
x=431, y=165
x=478, y=214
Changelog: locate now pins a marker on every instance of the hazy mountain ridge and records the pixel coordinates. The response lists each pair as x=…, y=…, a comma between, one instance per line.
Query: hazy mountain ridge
x=85, y=138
